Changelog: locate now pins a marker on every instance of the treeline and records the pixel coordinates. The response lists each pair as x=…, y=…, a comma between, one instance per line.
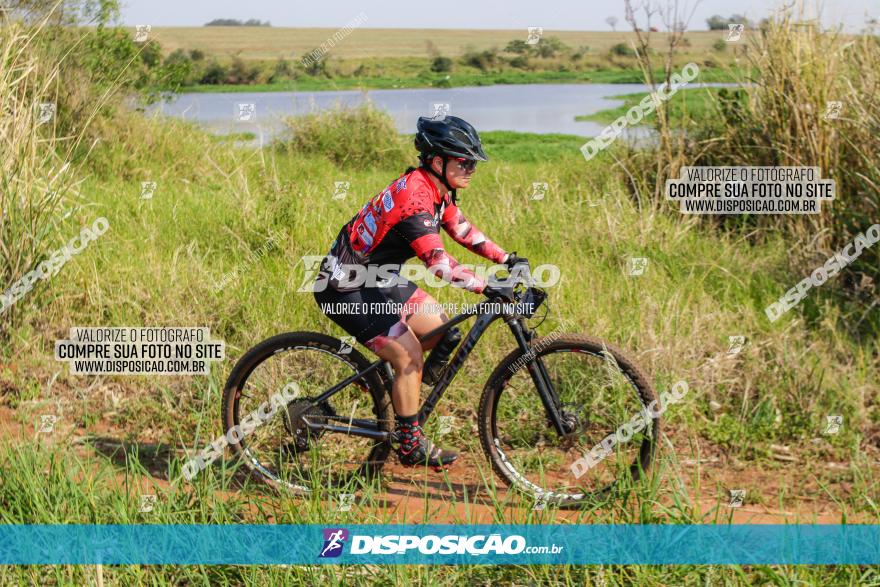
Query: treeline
x=549, y=54
x=719, y=23
x=193, y=67
x=236, y=22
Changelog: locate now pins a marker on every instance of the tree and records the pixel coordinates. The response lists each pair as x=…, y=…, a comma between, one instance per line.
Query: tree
x=517, y=46
x=61, y=12
x=550, y=46
x=719, y=23
x=236, y=22
x=612, y=22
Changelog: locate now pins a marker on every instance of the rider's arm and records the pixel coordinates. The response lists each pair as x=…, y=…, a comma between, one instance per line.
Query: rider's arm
x=419, y=231
x=429, y=249
x=469, y=236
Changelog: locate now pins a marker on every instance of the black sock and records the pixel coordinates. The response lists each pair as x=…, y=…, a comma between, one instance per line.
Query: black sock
x=409, y=431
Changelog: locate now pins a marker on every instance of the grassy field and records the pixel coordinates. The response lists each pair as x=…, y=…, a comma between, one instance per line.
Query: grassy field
x=273, y=42
x=265, y=59
x=754, y=420
x=159, y=263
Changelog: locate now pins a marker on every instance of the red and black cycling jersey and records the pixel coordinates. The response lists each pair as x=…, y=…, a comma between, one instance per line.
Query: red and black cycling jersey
x=402, y=221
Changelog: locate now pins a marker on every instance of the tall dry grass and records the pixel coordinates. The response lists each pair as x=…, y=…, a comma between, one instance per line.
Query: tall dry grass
x=37, y=178
x=79, y=75
x=782, y=119
x=778, y=117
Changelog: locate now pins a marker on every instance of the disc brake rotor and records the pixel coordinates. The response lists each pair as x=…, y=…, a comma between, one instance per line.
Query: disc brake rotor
x=575, y=420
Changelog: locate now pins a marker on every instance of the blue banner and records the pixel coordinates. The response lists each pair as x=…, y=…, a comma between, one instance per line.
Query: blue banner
x=441, y=544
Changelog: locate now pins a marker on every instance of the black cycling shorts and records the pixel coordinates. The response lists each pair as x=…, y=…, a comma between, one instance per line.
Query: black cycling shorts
x=368, y=312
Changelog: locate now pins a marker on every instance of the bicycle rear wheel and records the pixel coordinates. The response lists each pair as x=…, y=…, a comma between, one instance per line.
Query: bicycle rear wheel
x=598, y=390
x=282, y=451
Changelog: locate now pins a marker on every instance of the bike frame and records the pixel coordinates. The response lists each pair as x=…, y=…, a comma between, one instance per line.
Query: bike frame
x=486, y=314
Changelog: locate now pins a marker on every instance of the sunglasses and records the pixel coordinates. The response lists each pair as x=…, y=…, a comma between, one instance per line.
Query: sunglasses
x=466, y=165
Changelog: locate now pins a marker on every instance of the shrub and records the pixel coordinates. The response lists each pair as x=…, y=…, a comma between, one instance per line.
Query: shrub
x=151, y=53
x=215, y=73
x=581, y=51
x=623, y=50
x=517, y=46
x=180, y=69
x=361, y=137
x=550, y=47
x=719, y=23
x=240, y=72
x=720, y=45
x=441, y=64
x=483, y=60
x=178, y=56
x=282, y=70
x=520, y=61
x=316, y=67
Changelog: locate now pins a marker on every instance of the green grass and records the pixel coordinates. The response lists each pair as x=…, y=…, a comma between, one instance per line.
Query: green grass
x=518, y=147
x=695, y=103
x=425, y=80
x=214, y=205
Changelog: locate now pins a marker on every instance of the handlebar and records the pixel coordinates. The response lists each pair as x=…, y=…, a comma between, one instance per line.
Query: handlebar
x=518, y=275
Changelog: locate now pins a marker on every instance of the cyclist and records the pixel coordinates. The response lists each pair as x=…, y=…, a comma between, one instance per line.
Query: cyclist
x=402, y=221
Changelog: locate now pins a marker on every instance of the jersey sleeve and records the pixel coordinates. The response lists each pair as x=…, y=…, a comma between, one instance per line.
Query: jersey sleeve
x=429, y=248
x=417, y=228
x=469, y=236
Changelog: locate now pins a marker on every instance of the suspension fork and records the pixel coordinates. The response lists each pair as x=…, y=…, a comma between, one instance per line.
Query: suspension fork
x=539, y=375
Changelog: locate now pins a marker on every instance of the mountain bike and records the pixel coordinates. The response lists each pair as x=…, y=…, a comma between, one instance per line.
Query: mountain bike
x=548, y=402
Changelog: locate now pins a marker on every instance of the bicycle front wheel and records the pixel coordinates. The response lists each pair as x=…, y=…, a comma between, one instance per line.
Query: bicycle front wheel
x=597, y=391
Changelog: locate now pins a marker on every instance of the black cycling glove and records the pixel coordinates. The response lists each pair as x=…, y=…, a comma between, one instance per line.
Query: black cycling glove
x=513, y=259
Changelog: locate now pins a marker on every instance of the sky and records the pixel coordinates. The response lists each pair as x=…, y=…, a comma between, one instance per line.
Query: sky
x=479, y=14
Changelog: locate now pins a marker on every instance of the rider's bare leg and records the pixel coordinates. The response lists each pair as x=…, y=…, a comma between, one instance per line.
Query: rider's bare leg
x=402, y=349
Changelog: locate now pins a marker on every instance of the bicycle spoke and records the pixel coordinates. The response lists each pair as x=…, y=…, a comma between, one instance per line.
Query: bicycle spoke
x=595, y=398
x=283, y=447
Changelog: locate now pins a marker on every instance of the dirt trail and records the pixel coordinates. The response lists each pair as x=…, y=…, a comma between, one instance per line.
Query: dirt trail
x=460, y=496
x=420, y=497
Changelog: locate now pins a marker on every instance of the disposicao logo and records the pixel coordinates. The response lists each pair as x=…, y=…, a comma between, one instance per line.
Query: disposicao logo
x=334, y=539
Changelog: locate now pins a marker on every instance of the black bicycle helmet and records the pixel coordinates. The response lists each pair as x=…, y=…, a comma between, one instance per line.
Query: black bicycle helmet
x=449, y=136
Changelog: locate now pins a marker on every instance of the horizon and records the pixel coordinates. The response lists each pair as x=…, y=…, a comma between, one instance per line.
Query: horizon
x=552, y=15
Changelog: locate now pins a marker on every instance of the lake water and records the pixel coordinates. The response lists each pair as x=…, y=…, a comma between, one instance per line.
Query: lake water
x=534, y=108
